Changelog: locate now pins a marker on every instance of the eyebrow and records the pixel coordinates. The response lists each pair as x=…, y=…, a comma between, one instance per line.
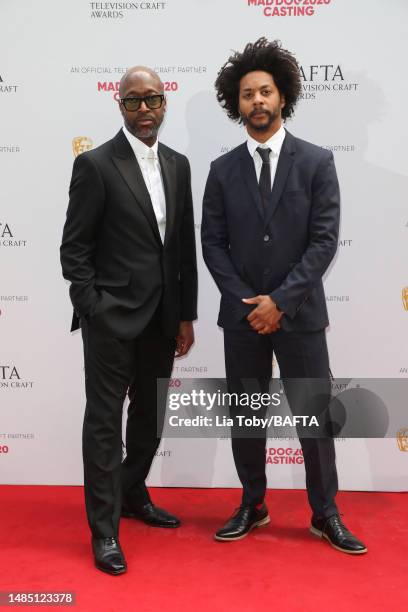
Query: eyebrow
x=261, y=87
x=148, y=93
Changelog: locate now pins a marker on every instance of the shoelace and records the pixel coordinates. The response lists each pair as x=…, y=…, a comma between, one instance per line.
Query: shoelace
x=110, y=542
x=237, y=510
x=337, y=525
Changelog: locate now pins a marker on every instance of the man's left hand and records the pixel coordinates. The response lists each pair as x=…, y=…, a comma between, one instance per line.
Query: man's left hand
x=265, y=317
x=185, y=338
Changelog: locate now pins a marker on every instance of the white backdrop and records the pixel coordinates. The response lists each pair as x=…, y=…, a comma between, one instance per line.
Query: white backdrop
x=59, y=65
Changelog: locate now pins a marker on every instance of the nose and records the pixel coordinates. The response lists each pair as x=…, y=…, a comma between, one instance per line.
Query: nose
x=143, y=107
x=257, y=98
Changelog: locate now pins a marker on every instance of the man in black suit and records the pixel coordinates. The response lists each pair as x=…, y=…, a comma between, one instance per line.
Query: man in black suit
x=128, y=249
x=269, y=231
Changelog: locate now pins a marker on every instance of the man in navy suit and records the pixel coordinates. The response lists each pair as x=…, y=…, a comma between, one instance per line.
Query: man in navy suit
x=269, y=232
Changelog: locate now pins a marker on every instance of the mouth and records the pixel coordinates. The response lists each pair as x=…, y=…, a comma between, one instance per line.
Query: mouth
x=259, y=114
x=145, y=122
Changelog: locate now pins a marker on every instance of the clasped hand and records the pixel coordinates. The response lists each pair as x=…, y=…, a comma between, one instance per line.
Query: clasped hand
x=265, y=317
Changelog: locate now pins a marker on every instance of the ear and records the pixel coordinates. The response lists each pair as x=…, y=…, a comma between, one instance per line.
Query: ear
x=282, y=102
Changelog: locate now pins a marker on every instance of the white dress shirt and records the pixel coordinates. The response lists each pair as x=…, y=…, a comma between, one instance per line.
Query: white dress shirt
x=148, y=161
x=274, y=144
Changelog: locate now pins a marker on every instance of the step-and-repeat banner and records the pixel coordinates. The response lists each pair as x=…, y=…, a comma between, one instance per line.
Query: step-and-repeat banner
x=60, y=66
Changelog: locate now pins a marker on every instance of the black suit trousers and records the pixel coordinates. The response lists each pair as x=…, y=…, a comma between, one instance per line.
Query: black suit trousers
x=113, y=368
x=248, y=355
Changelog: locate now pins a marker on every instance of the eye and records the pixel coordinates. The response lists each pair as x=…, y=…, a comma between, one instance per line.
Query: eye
x=266, y=92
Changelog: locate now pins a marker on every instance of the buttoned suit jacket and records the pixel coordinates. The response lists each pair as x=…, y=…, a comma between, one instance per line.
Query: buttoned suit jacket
x=282, y=250
x=112, y=252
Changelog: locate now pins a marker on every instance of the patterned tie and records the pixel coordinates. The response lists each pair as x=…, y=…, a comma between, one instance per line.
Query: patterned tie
x=265, y=177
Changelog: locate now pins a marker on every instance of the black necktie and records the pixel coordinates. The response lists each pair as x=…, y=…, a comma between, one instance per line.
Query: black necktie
x=265, y=177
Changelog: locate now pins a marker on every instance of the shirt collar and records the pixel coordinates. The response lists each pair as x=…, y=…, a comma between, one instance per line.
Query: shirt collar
x=139, y=148
x=274, y=143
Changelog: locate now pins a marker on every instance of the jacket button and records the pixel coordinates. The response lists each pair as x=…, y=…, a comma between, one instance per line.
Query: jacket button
x=266, y=238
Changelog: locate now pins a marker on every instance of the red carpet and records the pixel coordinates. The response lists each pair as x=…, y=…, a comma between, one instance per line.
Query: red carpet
x=45, y=547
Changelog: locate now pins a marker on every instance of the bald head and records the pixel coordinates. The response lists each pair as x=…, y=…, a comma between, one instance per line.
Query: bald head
x=140, y=74
x=143, y=119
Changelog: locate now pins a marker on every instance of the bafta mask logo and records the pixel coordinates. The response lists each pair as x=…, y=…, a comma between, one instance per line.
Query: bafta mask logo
x=80, y=144
x=405, y=297
x=402, y=439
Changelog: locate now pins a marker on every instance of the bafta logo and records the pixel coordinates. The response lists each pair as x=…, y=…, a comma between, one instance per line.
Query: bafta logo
x=402, y=439
x=405, y=297
x=80, y=144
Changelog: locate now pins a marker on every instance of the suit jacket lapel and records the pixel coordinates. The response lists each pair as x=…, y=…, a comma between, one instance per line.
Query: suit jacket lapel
x=249, y=174
x=126, y=163
x=286, y=158
x=169, y=174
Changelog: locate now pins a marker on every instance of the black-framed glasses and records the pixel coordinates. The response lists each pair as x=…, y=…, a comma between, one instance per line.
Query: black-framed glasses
x=133, y=104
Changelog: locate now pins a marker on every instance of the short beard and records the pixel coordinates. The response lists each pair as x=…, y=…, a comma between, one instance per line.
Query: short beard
x=246, y=120
x=147, y=132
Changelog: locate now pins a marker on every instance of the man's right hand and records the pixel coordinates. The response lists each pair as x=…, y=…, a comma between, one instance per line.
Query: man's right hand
x=265, y=318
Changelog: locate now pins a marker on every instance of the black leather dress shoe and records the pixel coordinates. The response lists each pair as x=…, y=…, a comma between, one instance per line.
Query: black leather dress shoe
x=244, y=519
x=109, y=556
x=337, y=534
x=151, y=515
